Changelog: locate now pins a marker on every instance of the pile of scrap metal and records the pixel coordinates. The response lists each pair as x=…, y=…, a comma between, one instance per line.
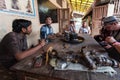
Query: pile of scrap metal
x=92, y=60
x=85, y=57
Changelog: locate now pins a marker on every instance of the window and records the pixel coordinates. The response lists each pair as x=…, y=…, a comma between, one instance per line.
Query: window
x=46, y=9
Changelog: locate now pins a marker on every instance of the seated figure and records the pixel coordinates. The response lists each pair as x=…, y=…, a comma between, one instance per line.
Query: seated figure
x=109, y=34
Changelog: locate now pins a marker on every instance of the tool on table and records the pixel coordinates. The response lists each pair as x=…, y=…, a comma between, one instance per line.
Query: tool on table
x=37, y=61
x=47, y=54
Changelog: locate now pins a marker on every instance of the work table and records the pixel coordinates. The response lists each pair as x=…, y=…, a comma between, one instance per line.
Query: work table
x=45, y=72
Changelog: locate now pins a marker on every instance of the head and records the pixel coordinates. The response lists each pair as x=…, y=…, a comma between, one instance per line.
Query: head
x=84, y=24
x=48, y=20
x=110, y=23
x=72, y=23
x=22, y=26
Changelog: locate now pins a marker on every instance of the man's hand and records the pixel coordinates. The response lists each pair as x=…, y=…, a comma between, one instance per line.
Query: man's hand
x=117, y=46
x=105, y=44
x=110, y=39
x=58, y=34
x=52, y=37
x=42, y=42
x=108, y=46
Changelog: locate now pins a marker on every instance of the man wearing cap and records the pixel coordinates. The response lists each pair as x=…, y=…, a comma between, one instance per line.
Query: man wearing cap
x=71, y=27
x=110, y=34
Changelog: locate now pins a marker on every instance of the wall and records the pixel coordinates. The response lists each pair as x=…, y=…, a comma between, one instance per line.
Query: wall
x=98, y=13
x=64, y=3
x=6, y=25
x=110, y=9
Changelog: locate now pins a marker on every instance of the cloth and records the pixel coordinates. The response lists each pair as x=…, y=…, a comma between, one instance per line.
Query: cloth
x=11, y=44
x=45, y=31
x=103, y=69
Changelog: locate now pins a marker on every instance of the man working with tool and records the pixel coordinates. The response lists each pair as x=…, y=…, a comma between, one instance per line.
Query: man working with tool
x=13, y=46
x=110, y=37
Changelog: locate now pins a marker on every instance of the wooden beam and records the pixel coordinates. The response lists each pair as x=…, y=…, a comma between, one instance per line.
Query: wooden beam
x=76, y=4
x=80, y=5
x=71, y=4
x=85, y=6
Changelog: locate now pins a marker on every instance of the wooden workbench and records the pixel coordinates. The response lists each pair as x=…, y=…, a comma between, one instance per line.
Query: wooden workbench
x=24, y=70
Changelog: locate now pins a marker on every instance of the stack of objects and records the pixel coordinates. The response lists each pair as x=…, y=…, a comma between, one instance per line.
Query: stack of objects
x=88, y=58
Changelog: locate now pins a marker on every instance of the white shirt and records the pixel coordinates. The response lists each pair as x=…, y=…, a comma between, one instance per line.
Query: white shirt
x=85, y=30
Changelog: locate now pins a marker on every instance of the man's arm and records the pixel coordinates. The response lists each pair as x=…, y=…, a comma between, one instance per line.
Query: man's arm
x=22, y=55
x=117, y=46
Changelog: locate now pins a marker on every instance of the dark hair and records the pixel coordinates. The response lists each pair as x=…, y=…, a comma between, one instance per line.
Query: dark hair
x=48, y=17
x=71, y=22
x=18, y=24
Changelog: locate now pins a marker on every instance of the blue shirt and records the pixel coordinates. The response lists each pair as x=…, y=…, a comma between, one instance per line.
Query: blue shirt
x=45, y=31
